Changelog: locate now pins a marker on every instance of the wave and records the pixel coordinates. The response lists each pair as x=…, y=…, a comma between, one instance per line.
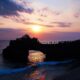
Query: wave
x=13, y=71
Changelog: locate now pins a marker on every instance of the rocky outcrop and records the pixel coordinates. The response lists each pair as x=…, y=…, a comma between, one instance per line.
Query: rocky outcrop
x=17, y=51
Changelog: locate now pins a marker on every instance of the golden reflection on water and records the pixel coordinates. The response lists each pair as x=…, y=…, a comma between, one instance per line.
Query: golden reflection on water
x=36, y=56
x=36, y=75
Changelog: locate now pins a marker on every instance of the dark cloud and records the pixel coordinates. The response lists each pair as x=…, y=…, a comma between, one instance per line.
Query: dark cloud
x=9, y=8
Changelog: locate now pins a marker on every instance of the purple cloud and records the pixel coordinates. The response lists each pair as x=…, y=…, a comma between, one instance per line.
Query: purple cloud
x=34, y=23
x=77, y=15
x=10, y=8
x=52, y=24
x=46, y=9
x=62, y=24
x=44, y=12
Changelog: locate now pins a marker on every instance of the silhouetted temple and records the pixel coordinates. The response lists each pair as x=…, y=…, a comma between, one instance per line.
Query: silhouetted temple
x=18, y=49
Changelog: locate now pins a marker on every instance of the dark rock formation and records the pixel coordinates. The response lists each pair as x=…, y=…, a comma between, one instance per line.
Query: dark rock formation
x=17, y=51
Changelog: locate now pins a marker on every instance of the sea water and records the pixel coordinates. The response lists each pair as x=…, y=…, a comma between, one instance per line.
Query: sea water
x=54, y=70
x=3, y=44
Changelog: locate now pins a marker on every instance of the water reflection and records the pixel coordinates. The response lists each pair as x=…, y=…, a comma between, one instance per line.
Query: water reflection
x=36, y=75
x=59, y=71
x=36, y=56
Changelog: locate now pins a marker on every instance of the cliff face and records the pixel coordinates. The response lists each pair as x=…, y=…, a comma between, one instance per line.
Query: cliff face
x=17, y=51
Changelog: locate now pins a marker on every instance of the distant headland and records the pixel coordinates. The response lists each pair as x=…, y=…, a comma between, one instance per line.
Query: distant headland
x=18, y=49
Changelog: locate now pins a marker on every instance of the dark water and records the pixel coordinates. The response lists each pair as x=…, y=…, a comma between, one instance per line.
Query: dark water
x=3, y=44
x=54, y=70
x=67, y=70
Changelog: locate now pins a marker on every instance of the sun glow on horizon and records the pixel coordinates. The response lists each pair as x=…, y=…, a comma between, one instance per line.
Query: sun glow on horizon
x=36, y=28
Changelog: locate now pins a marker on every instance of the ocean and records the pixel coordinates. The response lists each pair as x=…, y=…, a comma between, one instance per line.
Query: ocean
x=3, y=44
x=54, y=70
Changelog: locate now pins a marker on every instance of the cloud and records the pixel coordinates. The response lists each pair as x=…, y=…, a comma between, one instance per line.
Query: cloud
x=10, y=8
x=46, y=11
x=34, y=23
x=62, y=24
x=59, y=24
x=1, y=23
x=77, y=14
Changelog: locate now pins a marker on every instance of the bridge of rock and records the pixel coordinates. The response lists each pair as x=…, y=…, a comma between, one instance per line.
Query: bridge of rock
x=18, y=50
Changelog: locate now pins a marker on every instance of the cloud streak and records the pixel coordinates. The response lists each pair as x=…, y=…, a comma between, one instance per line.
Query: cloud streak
x=60, y=24
x=45, y=12
x=77, y=14
x=63, y=24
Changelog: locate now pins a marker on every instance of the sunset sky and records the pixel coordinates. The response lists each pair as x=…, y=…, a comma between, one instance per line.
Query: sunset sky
x=57, y=19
